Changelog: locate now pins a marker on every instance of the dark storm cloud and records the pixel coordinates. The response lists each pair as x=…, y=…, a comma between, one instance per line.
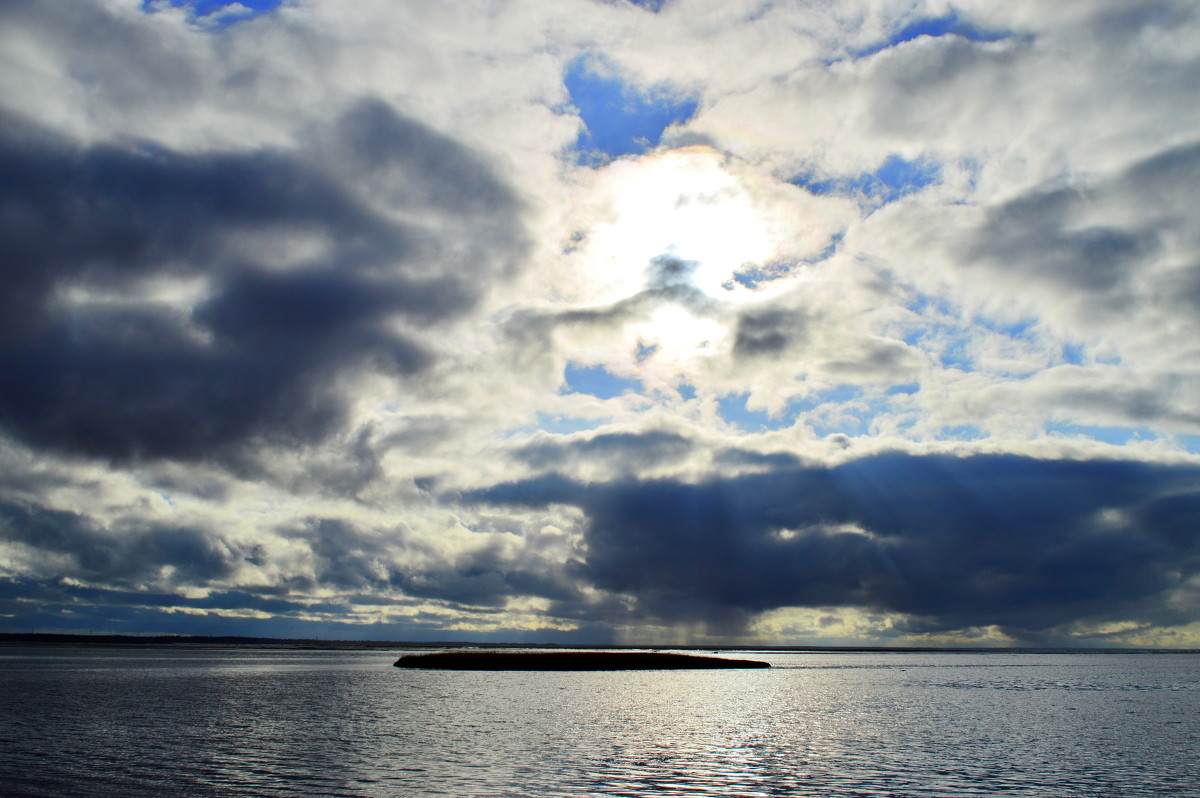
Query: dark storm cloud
x=746, y=457
x=1180, y=290
x=125, y=385
x=254, y=359
x=1131, y=403
x=126, y=555
x=105, y=215
x=410, y=165
x=1130, y=20
x=630, y=450
x=668, y=271
x=668, y=281
x=119, y=559
x=878, y=357
x=1096, y=242
x=955, y=542
x=1036, y=231
x=57, y=593
x=1168, y=177
x=769, y=331
x=914, y=82
x=50, y=604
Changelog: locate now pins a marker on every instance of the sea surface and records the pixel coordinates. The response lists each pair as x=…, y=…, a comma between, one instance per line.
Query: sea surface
x=164, y=722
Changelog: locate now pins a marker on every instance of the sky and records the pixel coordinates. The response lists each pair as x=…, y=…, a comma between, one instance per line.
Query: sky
x=791, y=322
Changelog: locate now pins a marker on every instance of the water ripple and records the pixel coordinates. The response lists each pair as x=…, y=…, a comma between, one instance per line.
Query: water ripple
x=347, y=724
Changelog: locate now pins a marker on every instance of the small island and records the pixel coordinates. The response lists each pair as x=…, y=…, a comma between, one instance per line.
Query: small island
x=491, y=660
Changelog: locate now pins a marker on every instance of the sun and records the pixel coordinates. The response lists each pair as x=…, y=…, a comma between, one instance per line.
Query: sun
x=683, y=207
x=684, y=204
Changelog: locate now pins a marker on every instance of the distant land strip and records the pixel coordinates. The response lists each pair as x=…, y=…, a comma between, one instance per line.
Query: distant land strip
x=569, y=661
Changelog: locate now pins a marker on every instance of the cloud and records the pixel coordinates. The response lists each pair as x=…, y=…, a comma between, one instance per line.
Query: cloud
x=134, y=555
x=768, y=332
x=346, y=557
x=949, y=542
x=868, y=320
x=252, y=355
x=1099, y=242
x=623, y=450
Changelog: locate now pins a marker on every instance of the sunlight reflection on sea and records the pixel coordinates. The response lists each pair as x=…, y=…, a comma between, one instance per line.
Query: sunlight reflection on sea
x=206, y=723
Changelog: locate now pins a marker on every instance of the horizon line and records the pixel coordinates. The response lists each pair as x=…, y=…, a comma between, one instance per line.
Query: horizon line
x=231, y=641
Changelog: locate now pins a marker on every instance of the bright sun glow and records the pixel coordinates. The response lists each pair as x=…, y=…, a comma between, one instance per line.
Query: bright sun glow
x=682, y=203
x=678, y=336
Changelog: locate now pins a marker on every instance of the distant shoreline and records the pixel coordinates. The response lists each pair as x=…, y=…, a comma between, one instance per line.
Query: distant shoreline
x=229, y=641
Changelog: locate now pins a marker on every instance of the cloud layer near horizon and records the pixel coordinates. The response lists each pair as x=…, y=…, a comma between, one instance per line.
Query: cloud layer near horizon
x=601, y=321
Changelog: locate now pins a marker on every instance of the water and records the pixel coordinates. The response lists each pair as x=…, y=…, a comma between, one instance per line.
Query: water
x=110, y=722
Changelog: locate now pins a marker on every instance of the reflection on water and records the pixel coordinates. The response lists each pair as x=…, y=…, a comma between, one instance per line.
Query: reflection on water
x=209, y=723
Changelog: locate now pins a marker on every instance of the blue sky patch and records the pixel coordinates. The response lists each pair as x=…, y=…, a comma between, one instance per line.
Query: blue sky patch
x=838, y=395
x=1118, y=436
x=942, y=332
x=562, y=425
x=962, y=432
x=620, y=119
x=948, y=343
x=555, y=424
x=597, y=381
x=1189, y=442
x=754, y=275
x=852, y=421
x=732, y=409
x=843, y=410
x=201, y=10
x=830, y=249
x=926, y=304
x=955, y=353
x=1073, y=354
x=650, y=5
x=1023, y=329
x=949, y=25
x=894, y=179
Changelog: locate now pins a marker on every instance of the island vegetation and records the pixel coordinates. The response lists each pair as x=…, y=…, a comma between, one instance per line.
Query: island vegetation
x=477, y=660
